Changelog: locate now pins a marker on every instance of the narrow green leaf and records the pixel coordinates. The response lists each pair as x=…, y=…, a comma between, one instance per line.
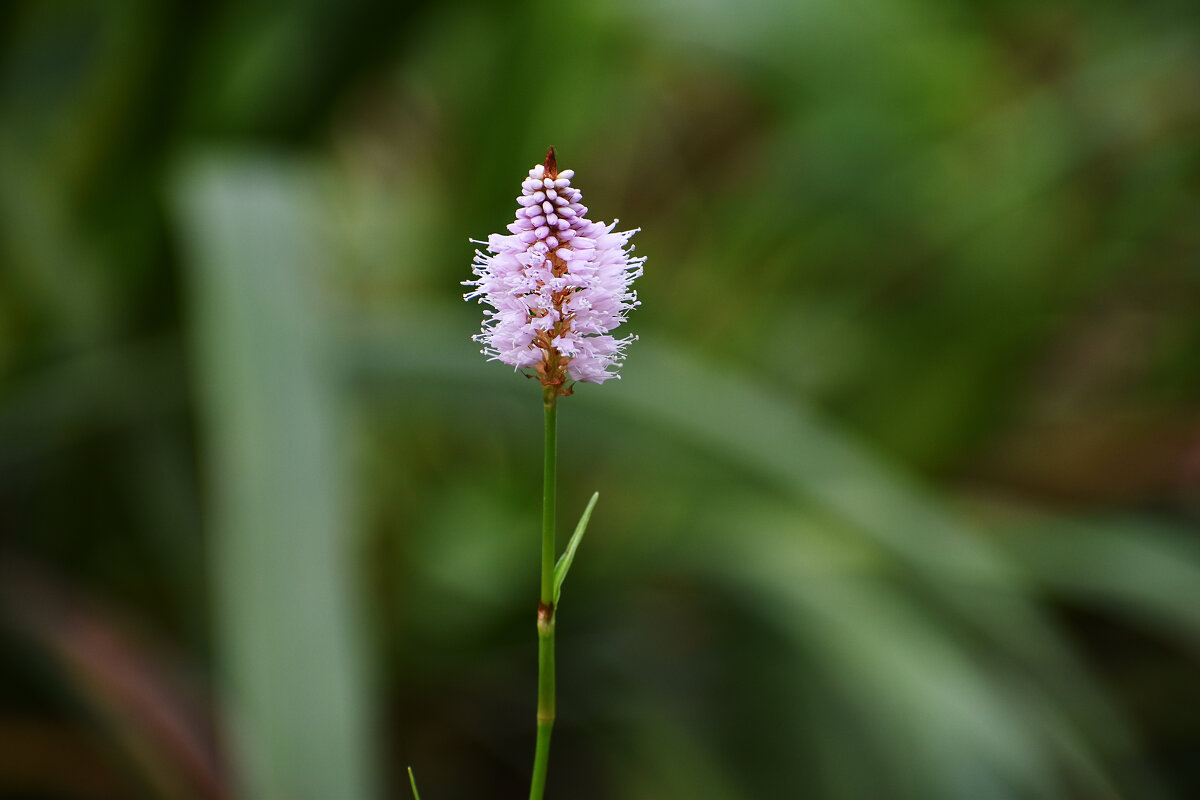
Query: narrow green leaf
x=564, y=563
x=412, y=779
x=271, y=403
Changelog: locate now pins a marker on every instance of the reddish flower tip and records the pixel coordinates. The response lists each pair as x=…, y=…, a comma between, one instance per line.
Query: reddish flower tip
x=550, y=164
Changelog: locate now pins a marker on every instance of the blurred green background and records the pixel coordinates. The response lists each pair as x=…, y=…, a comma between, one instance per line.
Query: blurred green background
x=899, y=490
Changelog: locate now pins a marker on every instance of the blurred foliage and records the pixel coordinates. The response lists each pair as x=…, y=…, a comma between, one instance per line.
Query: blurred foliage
x=898, y=491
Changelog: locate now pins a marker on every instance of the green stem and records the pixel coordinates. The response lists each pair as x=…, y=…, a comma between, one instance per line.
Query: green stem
x=545, y=618
x=550, y=400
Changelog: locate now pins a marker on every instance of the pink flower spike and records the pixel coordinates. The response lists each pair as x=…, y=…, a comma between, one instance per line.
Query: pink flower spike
x=554, y=300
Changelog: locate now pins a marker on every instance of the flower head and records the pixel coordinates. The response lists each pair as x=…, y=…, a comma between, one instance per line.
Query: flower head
x=557, y=285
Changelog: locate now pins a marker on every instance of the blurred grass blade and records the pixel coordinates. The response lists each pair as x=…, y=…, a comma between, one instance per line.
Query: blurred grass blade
x=1143, y=570
x=413, y=780
x=290, y=664
x=564, y=563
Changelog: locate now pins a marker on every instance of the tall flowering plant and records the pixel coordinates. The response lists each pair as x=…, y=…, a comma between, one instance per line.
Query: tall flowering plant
x=555, y=288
